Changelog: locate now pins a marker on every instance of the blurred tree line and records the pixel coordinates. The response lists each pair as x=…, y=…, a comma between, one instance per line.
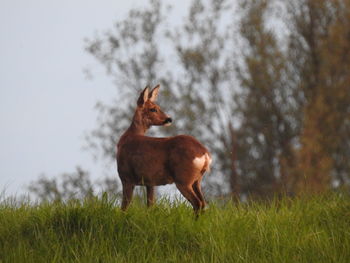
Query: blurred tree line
x=264, y=84
x=76, y=185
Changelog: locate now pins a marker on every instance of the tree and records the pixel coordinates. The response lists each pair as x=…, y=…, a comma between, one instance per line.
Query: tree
x=266, y=104
x=297, y=92
x=131, y=57
x=322, y=32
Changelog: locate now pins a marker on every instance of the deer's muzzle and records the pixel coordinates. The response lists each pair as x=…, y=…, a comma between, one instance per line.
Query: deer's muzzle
x=168, y=121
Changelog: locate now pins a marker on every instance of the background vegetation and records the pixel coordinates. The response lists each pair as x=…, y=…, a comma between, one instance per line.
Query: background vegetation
x=263, y=84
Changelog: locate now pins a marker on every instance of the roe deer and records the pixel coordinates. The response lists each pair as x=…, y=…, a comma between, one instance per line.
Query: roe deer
x=151, y=161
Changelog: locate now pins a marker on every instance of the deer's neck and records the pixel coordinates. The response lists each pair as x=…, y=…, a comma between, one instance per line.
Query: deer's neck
x=137, y=126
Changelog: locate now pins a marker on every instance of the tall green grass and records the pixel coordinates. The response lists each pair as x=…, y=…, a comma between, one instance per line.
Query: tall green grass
x=300, y=230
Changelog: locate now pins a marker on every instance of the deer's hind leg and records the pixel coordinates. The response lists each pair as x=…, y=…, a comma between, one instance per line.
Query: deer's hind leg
x=188, y=192
x=198, y=191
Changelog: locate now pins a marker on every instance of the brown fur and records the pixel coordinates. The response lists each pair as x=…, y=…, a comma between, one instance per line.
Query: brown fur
x=150, y=161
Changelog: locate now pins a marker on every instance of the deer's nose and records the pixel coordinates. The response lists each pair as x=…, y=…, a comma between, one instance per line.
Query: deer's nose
x=168, y=120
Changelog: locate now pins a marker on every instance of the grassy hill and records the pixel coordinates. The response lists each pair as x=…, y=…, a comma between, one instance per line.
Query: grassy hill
x=300, y=230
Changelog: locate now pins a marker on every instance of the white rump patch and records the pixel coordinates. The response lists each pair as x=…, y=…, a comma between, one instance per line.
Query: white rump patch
x=200, y=162
x=209, y=161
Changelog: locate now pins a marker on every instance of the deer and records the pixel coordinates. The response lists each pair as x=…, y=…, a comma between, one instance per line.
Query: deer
x=153, y=161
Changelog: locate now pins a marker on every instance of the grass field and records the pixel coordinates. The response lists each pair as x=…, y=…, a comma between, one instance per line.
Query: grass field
x=300, y=230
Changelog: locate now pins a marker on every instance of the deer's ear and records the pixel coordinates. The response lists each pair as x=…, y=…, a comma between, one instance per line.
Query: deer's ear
x=143, y=97
x=154, y=93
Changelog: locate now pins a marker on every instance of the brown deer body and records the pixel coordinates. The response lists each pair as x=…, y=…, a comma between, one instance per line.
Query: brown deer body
x=151, y=161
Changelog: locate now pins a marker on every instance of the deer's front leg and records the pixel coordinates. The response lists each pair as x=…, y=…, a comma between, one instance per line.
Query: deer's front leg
x=128, y=189
x=150, y=195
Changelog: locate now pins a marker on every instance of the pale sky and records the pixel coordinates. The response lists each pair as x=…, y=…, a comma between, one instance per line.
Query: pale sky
x=46, y=103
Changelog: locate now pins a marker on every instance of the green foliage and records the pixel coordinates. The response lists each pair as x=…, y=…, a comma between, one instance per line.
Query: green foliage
x=319, y=33
x=96, y=230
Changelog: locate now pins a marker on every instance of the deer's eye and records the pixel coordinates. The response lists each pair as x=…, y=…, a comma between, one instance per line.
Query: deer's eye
x=153, y=110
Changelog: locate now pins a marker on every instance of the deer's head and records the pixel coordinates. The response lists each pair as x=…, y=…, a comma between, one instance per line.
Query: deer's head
x=149, y=111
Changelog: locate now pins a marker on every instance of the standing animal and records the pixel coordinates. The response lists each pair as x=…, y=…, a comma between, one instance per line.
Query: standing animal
x=150, y=161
